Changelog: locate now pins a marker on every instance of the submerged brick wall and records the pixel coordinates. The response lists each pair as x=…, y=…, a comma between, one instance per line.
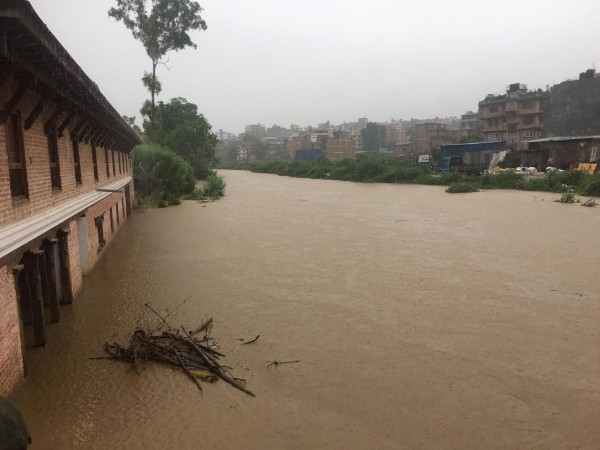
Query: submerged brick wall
x=11, y=358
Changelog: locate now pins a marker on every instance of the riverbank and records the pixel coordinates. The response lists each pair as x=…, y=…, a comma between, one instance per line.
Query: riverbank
x=372, y=169
x=420, y=319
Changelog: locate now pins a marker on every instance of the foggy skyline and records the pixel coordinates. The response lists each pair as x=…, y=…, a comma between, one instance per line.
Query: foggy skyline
x=283, y=62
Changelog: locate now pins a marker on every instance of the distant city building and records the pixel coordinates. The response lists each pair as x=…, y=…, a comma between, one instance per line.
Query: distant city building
x=257, y=130
x=341, y=146
x=515, y=117
x=572, y=108
x=404, y=149
x=308, y=141
x=225, y=136
x=469, y=124
x=277, y=131
x=432, y=135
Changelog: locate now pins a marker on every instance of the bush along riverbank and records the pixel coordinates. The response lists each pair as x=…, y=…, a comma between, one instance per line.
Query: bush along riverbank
x=162, y=178
x=369, y=169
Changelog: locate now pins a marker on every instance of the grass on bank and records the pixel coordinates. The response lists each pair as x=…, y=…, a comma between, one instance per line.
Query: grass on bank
x=373, y=169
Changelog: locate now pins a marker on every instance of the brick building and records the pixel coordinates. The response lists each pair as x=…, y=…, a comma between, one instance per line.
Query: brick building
x=65, y=182
x=341, y=146
x=469, y=124
x=433, y=135
x=515, y=117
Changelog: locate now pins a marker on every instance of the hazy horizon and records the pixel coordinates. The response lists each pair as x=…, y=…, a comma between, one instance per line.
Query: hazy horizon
x=287, y=62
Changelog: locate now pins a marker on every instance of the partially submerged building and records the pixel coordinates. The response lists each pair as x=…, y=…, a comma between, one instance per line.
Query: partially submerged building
x=65, y=182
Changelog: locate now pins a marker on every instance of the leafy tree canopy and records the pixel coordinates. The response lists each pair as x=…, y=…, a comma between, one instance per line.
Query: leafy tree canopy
x=187, y=133
x=163, y=28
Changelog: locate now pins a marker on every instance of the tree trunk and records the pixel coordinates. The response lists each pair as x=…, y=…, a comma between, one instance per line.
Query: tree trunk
x=153, y=93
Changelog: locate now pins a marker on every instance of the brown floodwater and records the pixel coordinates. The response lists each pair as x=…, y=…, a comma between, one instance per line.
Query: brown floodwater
x=420, y=319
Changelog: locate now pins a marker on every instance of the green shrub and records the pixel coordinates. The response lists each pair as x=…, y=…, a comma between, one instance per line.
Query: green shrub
x=461, y=187
x=214, y=187
x=161, y=174
x=567, y=197
x=591, y=185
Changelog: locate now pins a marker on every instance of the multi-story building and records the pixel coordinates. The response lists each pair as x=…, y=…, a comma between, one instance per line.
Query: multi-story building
x=257, y=130
x=432, y=135
x=469, y=124
x=515, y=117
x=341, y=146
x=65, y=182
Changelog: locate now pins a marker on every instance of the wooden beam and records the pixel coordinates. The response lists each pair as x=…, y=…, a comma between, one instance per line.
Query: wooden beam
x=37, y=304
x=12, y=68
x=17, y=273
x=65, y=267
x=66, y=122
x=55, y=115
x=87, y=130
x=35, y=112
x=48, y=247
x=24, y=84
x=78, y=127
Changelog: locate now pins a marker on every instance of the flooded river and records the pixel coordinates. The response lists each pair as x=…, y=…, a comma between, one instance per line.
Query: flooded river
x=420, y=319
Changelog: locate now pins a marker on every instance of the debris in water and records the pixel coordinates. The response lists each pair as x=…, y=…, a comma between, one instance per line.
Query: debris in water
x=178, y=348
x=280, y=363
x=252, y=341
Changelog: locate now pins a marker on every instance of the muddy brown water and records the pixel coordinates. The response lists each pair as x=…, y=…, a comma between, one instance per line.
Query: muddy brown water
x=421, y=319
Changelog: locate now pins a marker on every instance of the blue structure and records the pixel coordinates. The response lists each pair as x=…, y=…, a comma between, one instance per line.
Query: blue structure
x=308, y=154
x=473, y=153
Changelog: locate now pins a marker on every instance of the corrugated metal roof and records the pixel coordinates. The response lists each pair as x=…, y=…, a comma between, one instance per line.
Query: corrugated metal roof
x=565, y=138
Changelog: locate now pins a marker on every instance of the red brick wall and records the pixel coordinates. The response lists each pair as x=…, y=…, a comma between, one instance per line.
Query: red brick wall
x=41, y=196
x=11, y=358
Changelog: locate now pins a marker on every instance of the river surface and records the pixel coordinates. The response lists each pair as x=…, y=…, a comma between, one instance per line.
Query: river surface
x=421, y=320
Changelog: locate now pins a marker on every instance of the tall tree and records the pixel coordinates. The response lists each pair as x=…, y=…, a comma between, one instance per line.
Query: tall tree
x=163, y=29
x=187, y=133
x=374, y=137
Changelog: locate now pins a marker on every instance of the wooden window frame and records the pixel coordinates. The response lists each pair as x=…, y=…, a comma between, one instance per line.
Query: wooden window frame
x=54, y=157
x=17, y=170
x=107, y=164
x=95, y=162
x=76, y=160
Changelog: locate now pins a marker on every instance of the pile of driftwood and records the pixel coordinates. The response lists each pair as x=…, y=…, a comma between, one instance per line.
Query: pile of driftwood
x=193, y=352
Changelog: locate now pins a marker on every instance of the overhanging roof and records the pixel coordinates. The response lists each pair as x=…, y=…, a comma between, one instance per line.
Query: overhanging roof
x=19, y=234
x=29, y=45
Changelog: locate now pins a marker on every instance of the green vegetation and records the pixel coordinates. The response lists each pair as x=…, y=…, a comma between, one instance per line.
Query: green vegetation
x=213, y=189
x=160, y=175
x=375, y=169
x=460, y=187
x=567, y=197
x=162, y=29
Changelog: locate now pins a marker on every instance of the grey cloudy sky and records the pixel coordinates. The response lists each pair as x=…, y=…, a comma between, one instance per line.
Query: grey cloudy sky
x=308, y=61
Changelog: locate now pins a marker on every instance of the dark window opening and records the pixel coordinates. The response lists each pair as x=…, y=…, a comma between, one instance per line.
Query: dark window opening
x=16, y=157
x=112, y=223
x=95, y=162
x=113, y=162
x=99, y=221
x=117, y=208
x=53, y=156
x=120, y=165
x=106, y=159
x=76, y=159
x=123, y=206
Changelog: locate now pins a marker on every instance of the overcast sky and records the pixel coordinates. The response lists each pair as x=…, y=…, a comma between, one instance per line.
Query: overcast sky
x=308, y=61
